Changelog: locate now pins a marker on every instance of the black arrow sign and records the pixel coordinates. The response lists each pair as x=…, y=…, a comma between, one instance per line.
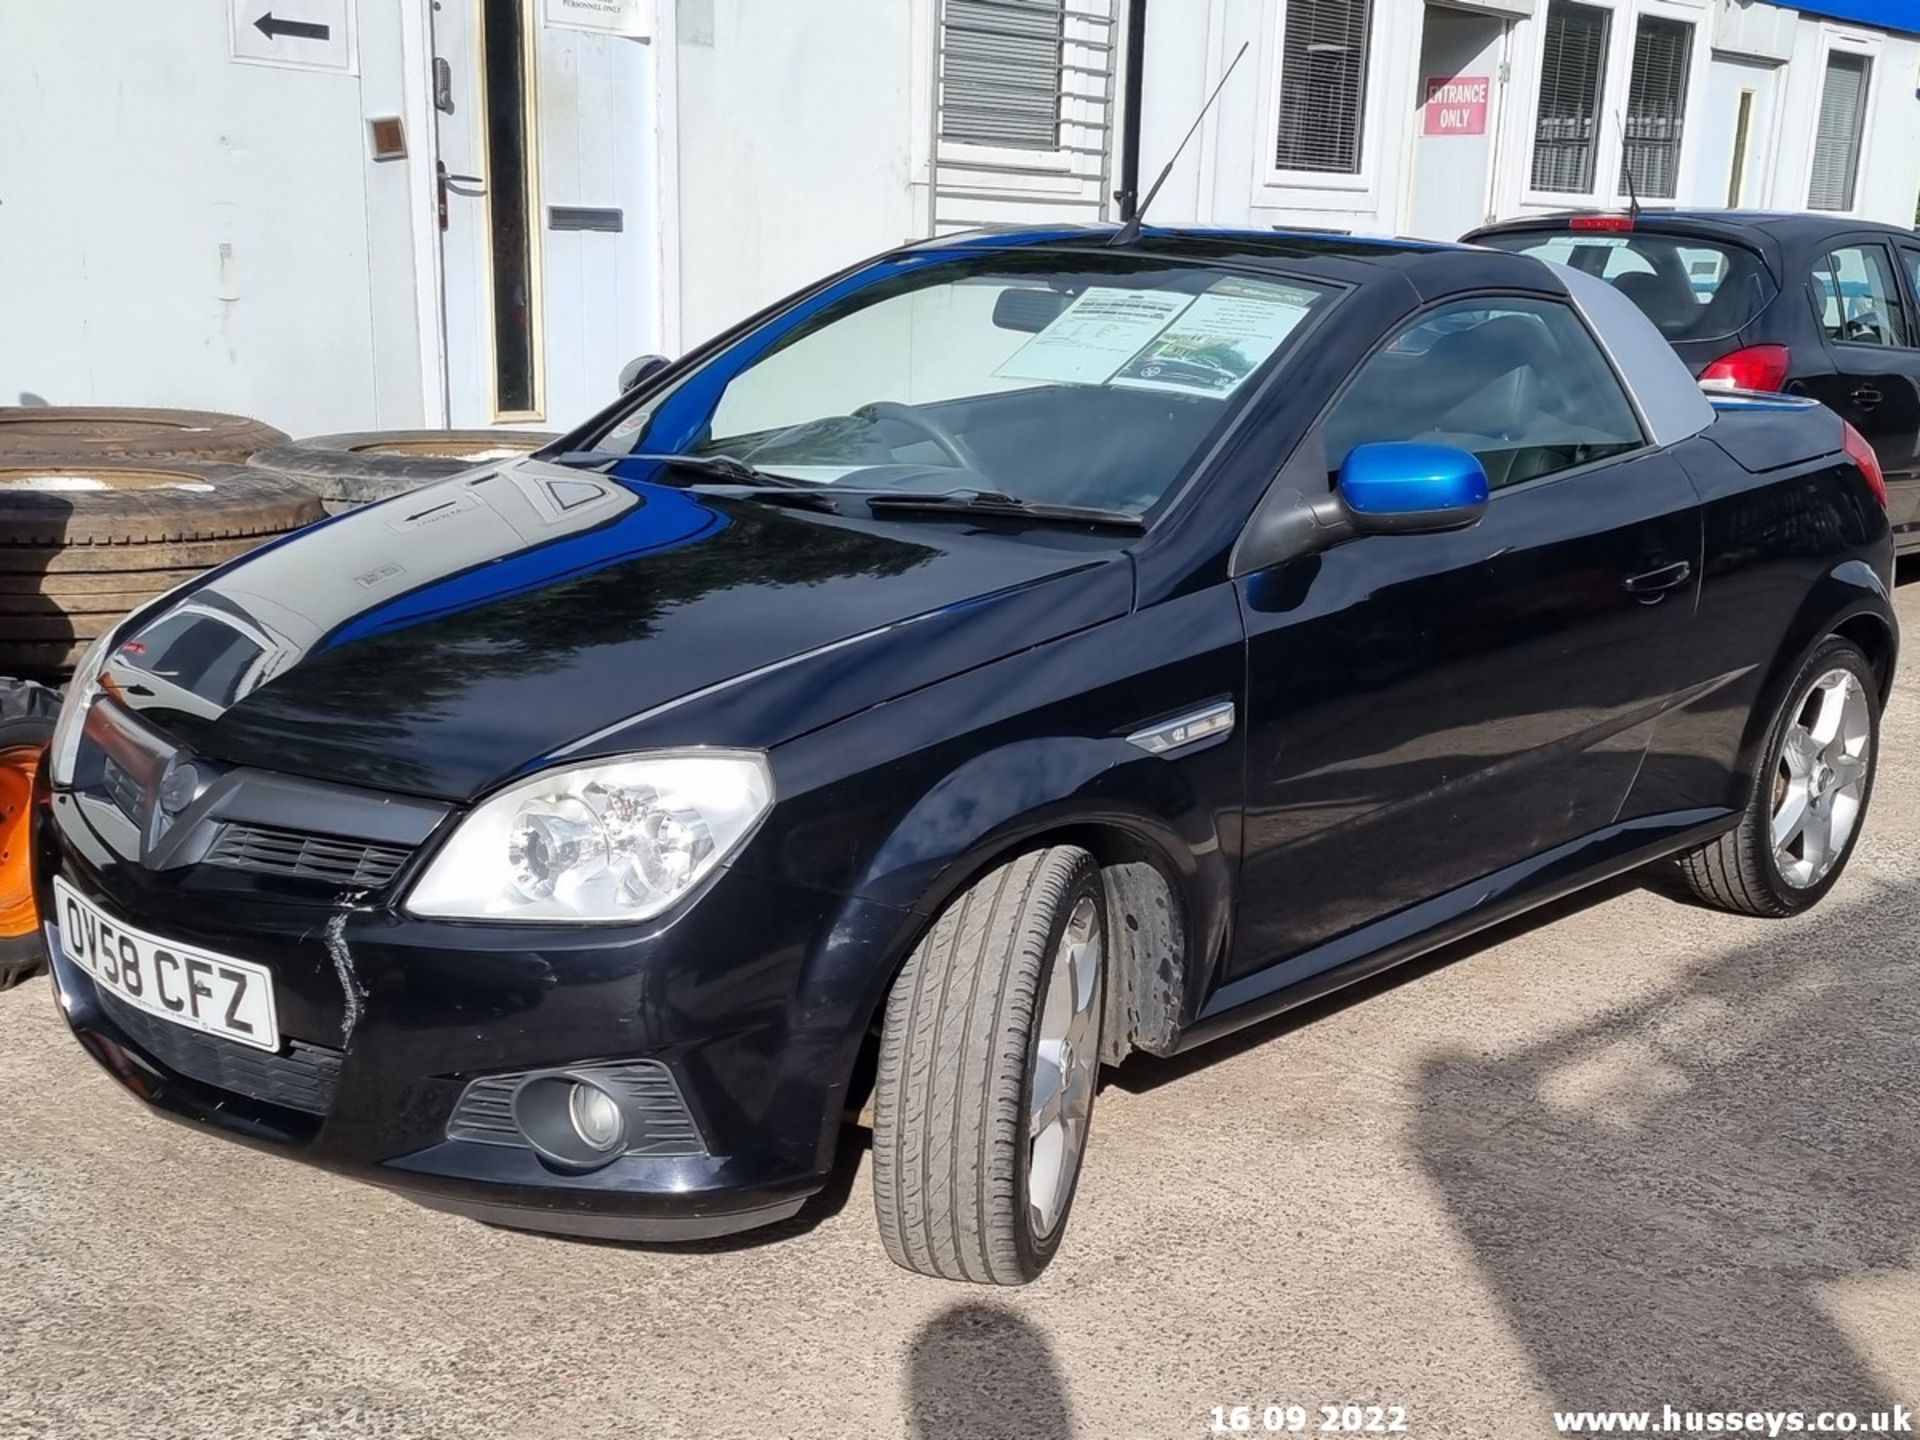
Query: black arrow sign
x=274, y=28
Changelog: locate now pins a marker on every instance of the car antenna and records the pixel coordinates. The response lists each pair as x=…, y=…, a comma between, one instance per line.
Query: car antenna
x=1130, y=230
x=1626, y=170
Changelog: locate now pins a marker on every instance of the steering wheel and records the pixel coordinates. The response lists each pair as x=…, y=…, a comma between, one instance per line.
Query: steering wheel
x=951, y=445
x=1861, y=327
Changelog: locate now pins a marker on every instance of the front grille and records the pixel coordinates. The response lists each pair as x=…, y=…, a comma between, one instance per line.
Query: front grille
x=658, y=1121
x=326, y=858
x=303, y=1079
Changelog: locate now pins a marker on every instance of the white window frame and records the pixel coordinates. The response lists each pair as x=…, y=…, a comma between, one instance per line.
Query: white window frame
x=1699, y=57
x=1616, y=76
x=1847, y=42
x=1323, y=188
x=1008, y=162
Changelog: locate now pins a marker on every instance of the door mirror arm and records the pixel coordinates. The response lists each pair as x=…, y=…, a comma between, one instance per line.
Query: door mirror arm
x=1289, y=525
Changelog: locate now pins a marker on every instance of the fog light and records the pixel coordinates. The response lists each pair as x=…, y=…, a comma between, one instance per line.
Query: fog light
x=571, y=1122
x=596, y=1119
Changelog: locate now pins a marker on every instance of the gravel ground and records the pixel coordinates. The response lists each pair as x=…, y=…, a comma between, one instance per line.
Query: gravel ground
x=1629, y=1153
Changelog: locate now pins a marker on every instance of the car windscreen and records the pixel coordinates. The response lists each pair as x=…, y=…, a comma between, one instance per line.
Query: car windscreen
x=1691, y=289
x=1055, y=377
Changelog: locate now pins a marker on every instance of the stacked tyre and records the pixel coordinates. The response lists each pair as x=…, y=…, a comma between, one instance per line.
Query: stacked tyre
x=349, y=470
x=101, y=510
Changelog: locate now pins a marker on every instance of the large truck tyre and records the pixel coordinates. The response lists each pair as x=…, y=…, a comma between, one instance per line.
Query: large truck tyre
x=31, y=433
x=349, y=470
x=82, y=543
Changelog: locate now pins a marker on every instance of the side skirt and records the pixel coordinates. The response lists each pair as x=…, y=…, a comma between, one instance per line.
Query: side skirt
x=1420, y=929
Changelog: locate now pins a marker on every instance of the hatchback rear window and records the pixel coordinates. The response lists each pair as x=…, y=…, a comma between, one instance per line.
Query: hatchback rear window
x=1691, y=289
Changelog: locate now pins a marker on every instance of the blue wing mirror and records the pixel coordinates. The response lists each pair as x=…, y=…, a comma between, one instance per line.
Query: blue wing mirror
x=1391, y=487
x=1402, y=487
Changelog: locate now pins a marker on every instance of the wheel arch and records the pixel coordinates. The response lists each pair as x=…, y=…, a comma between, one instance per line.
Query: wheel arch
x=1167, y=869
x=1850, y=601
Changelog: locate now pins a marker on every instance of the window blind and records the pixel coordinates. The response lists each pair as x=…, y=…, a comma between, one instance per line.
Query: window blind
x=1000, y=72
x=1566, y=133
x=1836, y=138
x=1656, y=107
x=1323, y=85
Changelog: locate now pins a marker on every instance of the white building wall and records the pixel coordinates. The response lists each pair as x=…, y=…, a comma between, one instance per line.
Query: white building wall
x=795, y=140
x=1890, y=144
x=1226, y=177
x=177, y=228
x=180, y=229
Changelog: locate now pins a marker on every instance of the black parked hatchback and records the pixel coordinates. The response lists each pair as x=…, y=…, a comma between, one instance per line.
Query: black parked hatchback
x=1015, y=652
x=1817, y=305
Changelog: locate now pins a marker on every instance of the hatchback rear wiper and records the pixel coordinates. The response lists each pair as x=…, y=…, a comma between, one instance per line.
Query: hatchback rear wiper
x=717, y=467
x=997, y=502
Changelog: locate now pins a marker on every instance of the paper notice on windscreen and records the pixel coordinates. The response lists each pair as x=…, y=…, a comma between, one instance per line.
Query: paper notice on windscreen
x=1220, y=339
x=1094, y=336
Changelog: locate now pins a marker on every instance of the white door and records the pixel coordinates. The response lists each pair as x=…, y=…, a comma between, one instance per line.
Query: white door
x=1455, y=122
x=1736, y=134
x=547, y=212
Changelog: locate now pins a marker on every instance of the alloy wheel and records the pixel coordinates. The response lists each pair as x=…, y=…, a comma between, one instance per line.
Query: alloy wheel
x=1821, y=779
x=1066, y=1067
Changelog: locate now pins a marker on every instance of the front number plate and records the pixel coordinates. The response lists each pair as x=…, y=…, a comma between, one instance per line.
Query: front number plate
x=181, y=983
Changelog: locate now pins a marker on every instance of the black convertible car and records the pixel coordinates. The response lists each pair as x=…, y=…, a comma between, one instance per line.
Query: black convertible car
x=1820, y=305
x=1011, y=653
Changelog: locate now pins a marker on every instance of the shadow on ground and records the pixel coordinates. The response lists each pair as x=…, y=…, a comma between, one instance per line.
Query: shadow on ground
x=980, y=1372
x=1687, y=1200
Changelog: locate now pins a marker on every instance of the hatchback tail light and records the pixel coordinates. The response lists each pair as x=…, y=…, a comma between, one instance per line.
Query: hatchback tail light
x=1861, y=453
x=1757, y=367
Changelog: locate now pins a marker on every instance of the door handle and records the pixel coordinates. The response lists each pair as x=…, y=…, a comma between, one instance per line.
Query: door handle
x=1651, y=586
x=1866, y=397
x=478, y=181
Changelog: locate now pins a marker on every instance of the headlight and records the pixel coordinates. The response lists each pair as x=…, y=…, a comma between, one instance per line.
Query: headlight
x=64, y=752
x=613, y=840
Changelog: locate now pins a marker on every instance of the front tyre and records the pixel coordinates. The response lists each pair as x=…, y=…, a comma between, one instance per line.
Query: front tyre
x=1808, y=798
x=987, y=1071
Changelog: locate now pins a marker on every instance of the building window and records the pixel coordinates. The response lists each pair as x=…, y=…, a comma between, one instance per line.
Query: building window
x=1323, y=85
x=1656, y=106
x=1000, y=72
x=1836, y=139
x=1567, y=132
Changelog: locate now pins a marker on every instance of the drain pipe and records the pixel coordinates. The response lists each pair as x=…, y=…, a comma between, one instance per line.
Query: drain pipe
x=1129, y=192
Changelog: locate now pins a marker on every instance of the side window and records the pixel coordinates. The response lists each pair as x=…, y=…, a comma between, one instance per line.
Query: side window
x=1910, y=257
x=1519, y=382
x=1858, y=298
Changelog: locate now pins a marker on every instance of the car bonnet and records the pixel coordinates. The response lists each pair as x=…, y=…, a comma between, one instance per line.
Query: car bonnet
x=465, y=633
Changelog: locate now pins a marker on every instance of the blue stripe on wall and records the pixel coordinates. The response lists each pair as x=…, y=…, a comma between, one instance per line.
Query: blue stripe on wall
x=1901, y=15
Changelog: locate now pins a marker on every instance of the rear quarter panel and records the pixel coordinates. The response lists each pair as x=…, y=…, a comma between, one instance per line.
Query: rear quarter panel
x=1794, y=549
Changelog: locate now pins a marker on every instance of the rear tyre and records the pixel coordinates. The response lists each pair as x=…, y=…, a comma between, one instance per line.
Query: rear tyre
x=1806, y=801
x=987, y=1071
x=27, y=713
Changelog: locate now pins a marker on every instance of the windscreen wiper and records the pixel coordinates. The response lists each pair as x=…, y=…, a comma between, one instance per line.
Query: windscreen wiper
x=715, y=467
x=997, y=502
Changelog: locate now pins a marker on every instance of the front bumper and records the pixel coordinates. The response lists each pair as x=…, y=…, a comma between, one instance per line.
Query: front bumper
x=757, y=998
